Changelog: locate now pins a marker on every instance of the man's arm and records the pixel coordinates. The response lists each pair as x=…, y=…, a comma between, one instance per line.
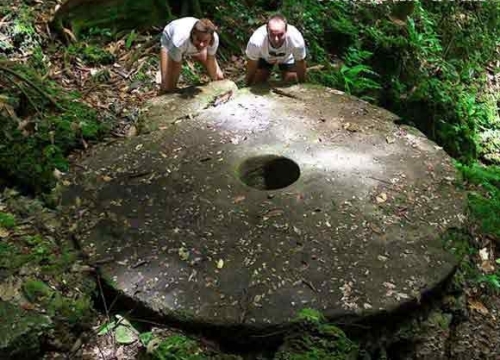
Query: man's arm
x=213, y=68
x=170, y=71
x=251, y=71
x=301, y=67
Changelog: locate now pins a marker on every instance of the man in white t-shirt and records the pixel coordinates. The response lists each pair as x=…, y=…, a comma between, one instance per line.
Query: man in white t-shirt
x=276, y=43
x=188, y=37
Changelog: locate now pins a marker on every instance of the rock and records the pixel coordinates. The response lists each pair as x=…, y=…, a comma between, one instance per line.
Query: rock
x=316, y=242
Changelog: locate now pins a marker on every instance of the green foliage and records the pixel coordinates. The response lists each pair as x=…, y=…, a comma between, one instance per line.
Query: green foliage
x=322, y=341
x=19, y=34
x=73, y=310
x=484, y=203
x=90, y=54
x=177, y=347
x=432, y=67
x=310, y=315
x=30, y=154
x=7, y=220
x=130, y=39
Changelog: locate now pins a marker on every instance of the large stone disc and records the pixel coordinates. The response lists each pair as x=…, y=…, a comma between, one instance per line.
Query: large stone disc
x=247, y=212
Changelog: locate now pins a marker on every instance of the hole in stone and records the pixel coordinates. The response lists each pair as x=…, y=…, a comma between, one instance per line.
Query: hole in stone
x=269, y=172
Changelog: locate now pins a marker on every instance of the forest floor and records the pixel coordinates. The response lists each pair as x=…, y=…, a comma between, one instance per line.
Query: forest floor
x=465, y=325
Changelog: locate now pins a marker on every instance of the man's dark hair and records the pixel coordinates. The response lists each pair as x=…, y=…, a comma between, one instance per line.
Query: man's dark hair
x=277, y=17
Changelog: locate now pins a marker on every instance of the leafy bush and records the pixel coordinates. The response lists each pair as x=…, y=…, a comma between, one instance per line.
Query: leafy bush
x=484, y=203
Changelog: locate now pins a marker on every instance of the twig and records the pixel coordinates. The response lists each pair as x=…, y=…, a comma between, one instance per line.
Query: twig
x=27, y=97
x=32, y=84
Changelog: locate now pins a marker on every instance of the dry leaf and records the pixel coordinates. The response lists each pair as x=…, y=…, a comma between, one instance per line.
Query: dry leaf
x=484, y=254
x=4, y=233
x=381, y=198
x=239, y=198
x=220, y=264
x=132, y=131
x=272, y=213
x=107, y=178
x=478, y=306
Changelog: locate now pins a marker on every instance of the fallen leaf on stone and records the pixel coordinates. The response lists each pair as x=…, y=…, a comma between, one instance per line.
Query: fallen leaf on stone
x=382, y=258
x=376, y=229
x=478, y=306
x=390, y=140
x=239, y=198
x=389, y=285
x=220, y=264
x=381, y=198
x=272, y=213
x=183, y=254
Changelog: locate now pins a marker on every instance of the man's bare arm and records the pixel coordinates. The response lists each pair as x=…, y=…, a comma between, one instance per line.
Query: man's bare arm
x=251, y=71
x=170, y=71
x=213, y=69
x=301, y=69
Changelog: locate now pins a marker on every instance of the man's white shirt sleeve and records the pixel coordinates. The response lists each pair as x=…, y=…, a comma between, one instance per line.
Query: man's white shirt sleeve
x=299, y=46
x=253, y=50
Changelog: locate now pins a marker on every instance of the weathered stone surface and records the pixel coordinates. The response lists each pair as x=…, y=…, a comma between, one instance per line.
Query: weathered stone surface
x=164, y=111
x=357, y=233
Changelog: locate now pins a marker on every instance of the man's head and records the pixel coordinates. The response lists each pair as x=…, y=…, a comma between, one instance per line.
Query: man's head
x=202, y=34
x=276, y=30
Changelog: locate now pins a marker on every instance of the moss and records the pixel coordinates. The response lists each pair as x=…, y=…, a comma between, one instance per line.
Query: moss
x=36, y=290
x=29, y=156
x=7, y=220
x=178, y=347
x=20, y=332
x=314, y=338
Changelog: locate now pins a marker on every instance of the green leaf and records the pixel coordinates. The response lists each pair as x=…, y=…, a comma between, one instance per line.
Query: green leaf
x=106, y=328
x=130, y=39
x=125, y=335
x=146, y=338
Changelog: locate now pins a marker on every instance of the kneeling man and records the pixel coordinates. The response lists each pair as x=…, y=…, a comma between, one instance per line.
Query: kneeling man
x=276, y=43
x=188, y=37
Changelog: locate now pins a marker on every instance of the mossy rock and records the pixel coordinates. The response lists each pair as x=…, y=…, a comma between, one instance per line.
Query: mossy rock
x=84, y=15
x=20, y=332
